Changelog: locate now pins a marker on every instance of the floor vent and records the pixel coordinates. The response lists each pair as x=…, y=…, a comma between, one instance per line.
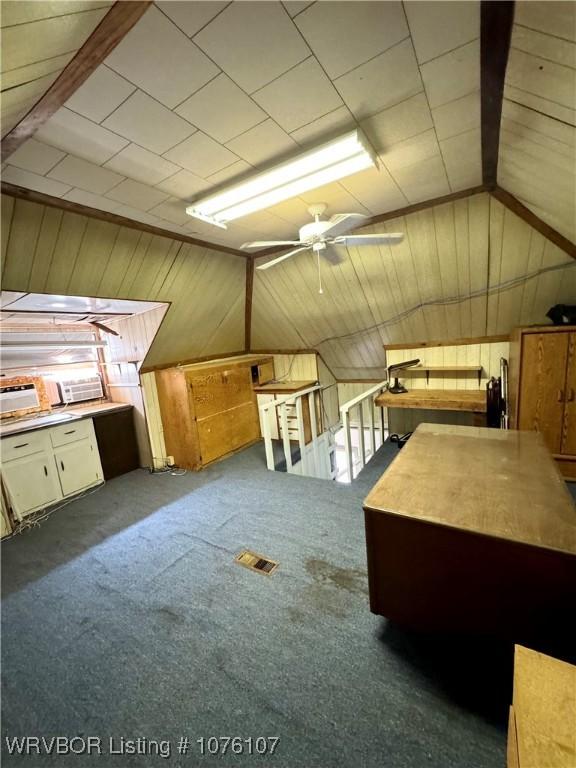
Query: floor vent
x=256, y=562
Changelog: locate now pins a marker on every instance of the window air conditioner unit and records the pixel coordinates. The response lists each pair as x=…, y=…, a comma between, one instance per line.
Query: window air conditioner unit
x=77, y=390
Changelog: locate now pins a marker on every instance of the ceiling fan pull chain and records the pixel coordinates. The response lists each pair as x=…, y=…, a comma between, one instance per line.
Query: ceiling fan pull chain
x=319, y=275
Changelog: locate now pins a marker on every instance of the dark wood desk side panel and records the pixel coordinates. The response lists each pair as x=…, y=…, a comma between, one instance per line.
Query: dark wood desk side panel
x=433, y=578
x=116, y=438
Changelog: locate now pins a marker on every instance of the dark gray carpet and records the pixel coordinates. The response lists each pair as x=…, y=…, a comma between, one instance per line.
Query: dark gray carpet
x=124, y=615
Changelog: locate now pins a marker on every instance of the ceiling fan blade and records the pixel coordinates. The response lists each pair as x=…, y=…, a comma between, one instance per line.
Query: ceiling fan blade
x=383, y=239
x=266, y=243
x=343, y=222
x=333, y=256
x=278, y=259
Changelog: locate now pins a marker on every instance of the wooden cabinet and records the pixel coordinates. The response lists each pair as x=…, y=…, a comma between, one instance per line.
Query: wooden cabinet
x=78, y=466
x=543, y=387
x=117, y=446
x=32, y=483
x=209, y=409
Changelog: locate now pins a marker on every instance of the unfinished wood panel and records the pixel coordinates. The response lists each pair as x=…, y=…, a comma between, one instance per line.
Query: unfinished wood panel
x=542, y=388
x=568, y=444
x=224, y=432
x=69, y=253
x=218, y=391
x=178, y=418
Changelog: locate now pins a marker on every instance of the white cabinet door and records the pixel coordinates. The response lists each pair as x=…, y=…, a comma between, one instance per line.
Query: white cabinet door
x=78, y=466
x=31, y=483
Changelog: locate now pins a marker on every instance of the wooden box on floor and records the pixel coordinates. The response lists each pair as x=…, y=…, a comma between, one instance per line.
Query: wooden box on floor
x=209, y=409
x=542, y=390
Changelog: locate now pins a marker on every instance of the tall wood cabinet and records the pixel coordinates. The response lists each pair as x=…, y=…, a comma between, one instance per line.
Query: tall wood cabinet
x=209, y=410
x=543, y=388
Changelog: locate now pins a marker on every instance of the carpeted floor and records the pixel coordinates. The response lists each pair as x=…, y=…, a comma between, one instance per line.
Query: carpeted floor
x=125, y=616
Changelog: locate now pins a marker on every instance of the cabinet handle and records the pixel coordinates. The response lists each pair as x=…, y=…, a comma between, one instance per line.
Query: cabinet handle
x=62, y=465
x=22, y=445
x=71, y=432
x=46, y=470
x=560, y=396
x=570, y=397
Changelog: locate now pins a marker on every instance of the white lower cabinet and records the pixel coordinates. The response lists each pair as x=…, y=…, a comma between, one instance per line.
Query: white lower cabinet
x=31, y=483
x=38, y=470
x=78, y=466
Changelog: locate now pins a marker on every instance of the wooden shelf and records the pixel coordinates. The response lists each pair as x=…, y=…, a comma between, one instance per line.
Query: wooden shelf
x=471, y=400
x=427, y=369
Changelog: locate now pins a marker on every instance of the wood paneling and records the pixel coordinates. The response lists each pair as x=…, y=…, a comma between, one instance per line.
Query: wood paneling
x=47, y=250
x=568, y=445
x=468, y=268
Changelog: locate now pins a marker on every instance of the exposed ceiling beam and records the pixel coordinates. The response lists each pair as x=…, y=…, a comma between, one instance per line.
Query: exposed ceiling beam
x=114, y=26
x=520, y=210
x=83, y=210
x=395, y=214
x=496, y=19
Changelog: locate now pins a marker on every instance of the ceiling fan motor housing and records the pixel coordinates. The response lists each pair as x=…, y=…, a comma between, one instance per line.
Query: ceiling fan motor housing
x=313, y=231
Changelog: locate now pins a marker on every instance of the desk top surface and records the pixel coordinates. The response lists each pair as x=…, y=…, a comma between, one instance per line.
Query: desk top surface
x=283, y=387
x=487, y=481
x=472, y=400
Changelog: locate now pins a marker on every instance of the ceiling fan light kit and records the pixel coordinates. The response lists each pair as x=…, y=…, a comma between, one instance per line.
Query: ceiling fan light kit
x=329, y=162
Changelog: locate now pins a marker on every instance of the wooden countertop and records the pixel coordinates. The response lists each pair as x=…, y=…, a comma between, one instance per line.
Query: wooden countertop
x=45, y=420
x=487, y=481
x=544, y=707
x=436, y=399
x=283, y=387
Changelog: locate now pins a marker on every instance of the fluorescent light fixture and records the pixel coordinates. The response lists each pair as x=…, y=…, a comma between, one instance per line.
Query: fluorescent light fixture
x=335, y=160
x=45, y=345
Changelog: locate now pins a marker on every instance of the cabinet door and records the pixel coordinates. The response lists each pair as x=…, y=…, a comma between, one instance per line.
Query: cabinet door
x=31, y=483
x=569, y=427
x=542, y=388
x=78, y=466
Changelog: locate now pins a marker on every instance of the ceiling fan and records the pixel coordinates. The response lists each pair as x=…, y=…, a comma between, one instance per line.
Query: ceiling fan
x=320, y=234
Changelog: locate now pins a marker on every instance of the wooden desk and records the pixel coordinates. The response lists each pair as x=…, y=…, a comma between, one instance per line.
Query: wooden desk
x=472, y=529
x=542, y=723
x=473, y=400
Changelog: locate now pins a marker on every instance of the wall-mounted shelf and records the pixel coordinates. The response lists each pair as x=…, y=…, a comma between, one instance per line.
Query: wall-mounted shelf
x=427, y=369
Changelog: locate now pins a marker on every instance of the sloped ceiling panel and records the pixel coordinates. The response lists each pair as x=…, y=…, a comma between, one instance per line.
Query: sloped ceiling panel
x=200, y=94
x=47, y=250
x=468, y=268
x=537, y=162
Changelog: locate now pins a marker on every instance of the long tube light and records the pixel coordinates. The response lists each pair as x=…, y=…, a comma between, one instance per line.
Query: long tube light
x=43, y=345
x=332, y=161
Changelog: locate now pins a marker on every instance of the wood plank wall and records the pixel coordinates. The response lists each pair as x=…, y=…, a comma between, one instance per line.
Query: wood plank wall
x=48, y=250
x=467, y=268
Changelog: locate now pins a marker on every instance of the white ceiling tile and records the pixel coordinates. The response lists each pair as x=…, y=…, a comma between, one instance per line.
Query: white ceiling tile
x=326, y=127
x=402, y=121
x=542, y=78
x=342, y=37
x=263, y=143
x=338, y=199
x=453, y=75
x=463, y=159
x=146, y=122
x=294, y=7
x=158, y=57
x=90, y=200
x=411, y=151
x=294, y=211
x=141, y=165
x=100, y=94
x=29, y=180
x=201, y=155
x=389, y=78
x=221, y=109
x=172, y=210
x=36, y=157
x=376, y=190
x=231, y=173
x=423, y=180
x=137, y=195
x=191, y=17
x=87, y=176
x=457, y=116
x=554, y=18
x=183, y=185
x=441, y=26
x=81, y=137
x=133, y=213
x=301, y=95
x=253, y=42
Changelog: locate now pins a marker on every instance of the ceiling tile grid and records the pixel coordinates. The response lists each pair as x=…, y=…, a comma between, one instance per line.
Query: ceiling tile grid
x=537, y=161
x=198, y=94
